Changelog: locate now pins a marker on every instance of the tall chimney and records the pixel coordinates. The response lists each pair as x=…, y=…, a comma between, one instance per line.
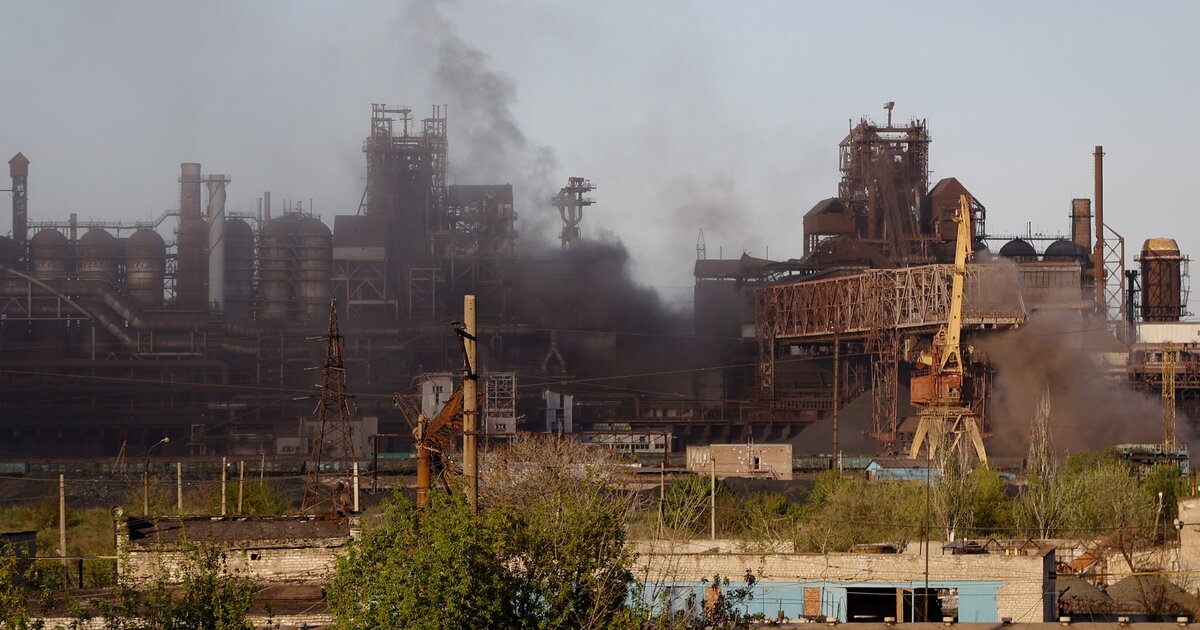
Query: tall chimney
x=18, y=169
x=1081, y=223
x=1098, y=256
x=189, y=190
x=192, y=266
x=216, y=241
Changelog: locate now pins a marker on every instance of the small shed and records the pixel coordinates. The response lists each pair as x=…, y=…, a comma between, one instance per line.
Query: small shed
x=900, y=469
x=771, y=461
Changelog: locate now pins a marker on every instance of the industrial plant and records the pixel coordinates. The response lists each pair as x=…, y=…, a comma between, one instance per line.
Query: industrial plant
x=200, y=325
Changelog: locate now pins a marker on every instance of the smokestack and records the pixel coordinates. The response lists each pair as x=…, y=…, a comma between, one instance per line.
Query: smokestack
x=189, y=190
x=216, y=241
x=1098, y=256
x=1081, y=223
x=266, y=217
x=192, y=266
x=18, y=169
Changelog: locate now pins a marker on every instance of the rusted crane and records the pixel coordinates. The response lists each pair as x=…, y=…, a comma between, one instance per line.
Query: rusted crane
x=941, y=389
x=433, y=438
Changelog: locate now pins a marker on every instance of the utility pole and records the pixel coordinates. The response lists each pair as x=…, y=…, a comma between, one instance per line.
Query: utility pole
x=712, y=497
x=837, y=370
x=241, y=483
x=662, y=498
x=62, y=519
x=470, y=404
x=355, y=487
x=179, y=487
x=224, y=467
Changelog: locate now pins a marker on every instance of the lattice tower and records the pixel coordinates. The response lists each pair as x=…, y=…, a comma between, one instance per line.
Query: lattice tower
x=333, y=454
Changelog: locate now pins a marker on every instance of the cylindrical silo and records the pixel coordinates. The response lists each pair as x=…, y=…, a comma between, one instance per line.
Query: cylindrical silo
x=239, y=267
x=274, y=272
x=145, y=267
x=97, y=256
x=50, y=254
x=314, y=247
x=1162, y=280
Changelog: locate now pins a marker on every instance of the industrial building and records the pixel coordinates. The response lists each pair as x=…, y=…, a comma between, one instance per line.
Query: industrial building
x=197, y=326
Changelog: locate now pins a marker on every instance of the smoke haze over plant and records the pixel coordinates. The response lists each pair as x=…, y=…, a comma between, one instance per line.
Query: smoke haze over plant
x=743, y=107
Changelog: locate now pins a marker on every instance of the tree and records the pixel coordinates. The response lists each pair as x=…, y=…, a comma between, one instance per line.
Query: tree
x=842, y=512
x=440, y=568
x=547, y=550
x=565, y=509
x=954, y=493
x=1044, y=503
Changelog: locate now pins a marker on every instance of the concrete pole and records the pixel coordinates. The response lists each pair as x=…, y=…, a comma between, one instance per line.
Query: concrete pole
x=470, y=406
x=712, y=497
x=355, y=487
x=62, y=519
x=241, y=483
x=146, y=487
x=223, y=467
x=837, y=371
x=662, y=498
x=179, y=486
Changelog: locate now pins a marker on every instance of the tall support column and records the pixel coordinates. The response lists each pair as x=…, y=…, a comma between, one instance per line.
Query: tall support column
x=1170, y=357
x=1098, y=254
x=470, y=404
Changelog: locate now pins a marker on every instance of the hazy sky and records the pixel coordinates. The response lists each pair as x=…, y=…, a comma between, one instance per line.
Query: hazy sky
x=721, y=115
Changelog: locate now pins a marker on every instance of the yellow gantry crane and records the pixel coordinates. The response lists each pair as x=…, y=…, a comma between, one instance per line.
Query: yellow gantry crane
x=937, y=388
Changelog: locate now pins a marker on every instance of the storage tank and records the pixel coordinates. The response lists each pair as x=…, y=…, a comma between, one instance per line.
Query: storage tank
x=1019, y=250
x=275, y=259
x=239, y=266
x=97, y=255
x=145, y=267
x=1162, y=280
x=314, y=248
x=50, y=253
x=1064, y=250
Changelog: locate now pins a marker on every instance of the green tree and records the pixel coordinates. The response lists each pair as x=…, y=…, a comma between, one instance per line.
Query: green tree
x=566, y=508
x=547, y=550
x=440, y=568
x=842, y=512
x=991, y=508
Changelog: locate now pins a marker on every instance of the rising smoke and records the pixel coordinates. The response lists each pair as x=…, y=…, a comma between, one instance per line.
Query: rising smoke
x=590, y=285
x=487, y=143
x=1091, y=407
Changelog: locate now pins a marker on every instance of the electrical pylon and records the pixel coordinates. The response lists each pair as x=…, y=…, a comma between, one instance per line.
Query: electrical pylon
x=329, y=480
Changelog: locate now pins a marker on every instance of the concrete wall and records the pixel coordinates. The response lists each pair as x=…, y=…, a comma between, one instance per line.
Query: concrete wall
x=1026, y=592
x=738, y=460
x=273, y=561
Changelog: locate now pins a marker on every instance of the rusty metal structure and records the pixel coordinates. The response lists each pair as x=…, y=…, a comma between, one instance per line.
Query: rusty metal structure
x=192, y=325
x=570, y=202
x=330, y=478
